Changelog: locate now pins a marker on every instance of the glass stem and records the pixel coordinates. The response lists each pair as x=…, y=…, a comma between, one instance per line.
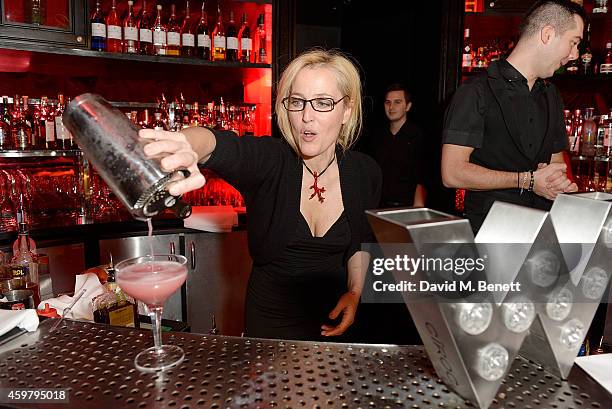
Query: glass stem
x=156, y=316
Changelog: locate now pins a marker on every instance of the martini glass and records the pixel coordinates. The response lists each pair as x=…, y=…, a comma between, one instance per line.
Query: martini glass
x=152, y=279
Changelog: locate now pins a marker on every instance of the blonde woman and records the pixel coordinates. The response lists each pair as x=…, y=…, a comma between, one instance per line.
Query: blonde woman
x=306, y=196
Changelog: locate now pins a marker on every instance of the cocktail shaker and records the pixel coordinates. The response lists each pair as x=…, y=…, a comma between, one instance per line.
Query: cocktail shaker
x=111, y=143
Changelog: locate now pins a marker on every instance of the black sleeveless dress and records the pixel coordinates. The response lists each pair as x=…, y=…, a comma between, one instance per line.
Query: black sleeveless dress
x=291, y=297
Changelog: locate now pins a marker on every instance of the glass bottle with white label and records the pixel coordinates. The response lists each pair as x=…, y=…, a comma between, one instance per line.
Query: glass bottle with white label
x=145, y=35
x=218, y=37
x=187, y=34
x=174, y=33
x=159, y=33
x=245, y=41
x=203, y=35
x=130, y=31
x=232, y=39
x=113, y=30
x=98, y=29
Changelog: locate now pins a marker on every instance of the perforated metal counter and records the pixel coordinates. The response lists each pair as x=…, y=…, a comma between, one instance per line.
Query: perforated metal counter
x=96, y=363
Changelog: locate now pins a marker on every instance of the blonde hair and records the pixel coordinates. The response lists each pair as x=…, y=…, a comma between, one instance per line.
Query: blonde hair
x=349, y=84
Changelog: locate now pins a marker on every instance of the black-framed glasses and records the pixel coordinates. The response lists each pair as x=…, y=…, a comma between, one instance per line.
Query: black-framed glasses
x=294, y=104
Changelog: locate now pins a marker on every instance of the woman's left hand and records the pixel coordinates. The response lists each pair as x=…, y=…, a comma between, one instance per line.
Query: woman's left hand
x=347, y=305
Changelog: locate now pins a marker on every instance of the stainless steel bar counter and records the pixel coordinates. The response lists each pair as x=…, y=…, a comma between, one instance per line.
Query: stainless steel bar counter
x=95, y=362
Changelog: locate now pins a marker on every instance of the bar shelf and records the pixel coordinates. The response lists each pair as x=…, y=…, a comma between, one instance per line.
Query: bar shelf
x=42, y=153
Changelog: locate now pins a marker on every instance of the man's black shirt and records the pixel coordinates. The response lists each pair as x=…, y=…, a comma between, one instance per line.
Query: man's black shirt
x=400, y=157
x=510, y=127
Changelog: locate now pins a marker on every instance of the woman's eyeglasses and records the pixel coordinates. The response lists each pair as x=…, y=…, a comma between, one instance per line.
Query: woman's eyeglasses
x=294, y=104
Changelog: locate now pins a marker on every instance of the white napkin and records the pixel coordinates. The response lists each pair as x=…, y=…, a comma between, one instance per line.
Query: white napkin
x=24, y=319
x=83, y=309
x=598, y=366
x=216, y=219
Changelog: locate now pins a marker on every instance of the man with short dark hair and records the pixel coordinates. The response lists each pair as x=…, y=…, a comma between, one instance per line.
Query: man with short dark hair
x=398, y=149
x=504, y=133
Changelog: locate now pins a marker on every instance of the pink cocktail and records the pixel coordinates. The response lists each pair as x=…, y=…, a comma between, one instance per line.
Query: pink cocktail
x=152, y=279
x=152, y=282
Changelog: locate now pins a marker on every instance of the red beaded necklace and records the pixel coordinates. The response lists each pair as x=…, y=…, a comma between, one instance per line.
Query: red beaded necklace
x=317, y=191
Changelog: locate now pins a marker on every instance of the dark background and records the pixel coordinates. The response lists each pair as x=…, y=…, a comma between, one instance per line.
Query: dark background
x=391, y=41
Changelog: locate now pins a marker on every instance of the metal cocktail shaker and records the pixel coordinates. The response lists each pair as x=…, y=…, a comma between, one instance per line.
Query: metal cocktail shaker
x=111, y=143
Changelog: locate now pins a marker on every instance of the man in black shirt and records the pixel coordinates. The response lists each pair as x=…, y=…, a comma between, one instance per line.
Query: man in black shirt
x=504, y=133
x=398, y=149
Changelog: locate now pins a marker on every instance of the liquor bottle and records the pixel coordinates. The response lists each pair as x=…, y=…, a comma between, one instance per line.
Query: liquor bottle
x=48, y=119
x=221, y=117
x=159, y=33
x=232, y=39
x=573, y=67
x=113, y=306
x=606, y=64
x=218, y=37
x=194, y=115
x=130, y=31
x=600, y=138
x=62, y=135
x=38, y=129
x=145, y=35
x=233, y=122
x=158, y=123
x=174, y=34
x=466, y=62
x=600, y=6
x=203, y=35
x=35, y=12
x=113, y=30
x=22, y=135
x=5, y=127
x=245, y=41
x=187, y=34
x=586, y=56
x=261, y=37
x=28, y=119
x=24, y=262
x=608, y=144
x=589, y=131
x=98, y=29
x=248, y=128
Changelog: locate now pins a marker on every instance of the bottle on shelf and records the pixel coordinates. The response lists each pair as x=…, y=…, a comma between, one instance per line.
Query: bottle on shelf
x=5, y=127
x=203, y=35
x=21, y=133
x=244, y=40
x=145, y=35
x=606, y=63
x=586, y=56
x=113, y=30
x=113, y=306
x=158, y=123
x=600, y=6
x=589, y=131
x=262, y=56
x=24, y=261
x=174, y=34
x=231, y=39
x=195, y=118
x=130, y=31
x=218, y=37
x=146, y=120
x=28, y=117
x=38, y=127
x=248, y=128
x=159, y=33
x=98, y=29
x=62, y=135
x=466, y=60
x=187, y=34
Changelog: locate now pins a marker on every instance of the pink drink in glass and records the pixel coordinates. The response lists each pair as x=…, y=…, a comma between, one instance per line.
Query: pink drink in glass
x=152, y=282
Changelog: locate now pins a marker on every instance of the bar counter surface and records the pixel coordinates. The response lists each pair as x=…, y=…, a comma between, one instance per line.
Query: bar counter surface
x=95, y=363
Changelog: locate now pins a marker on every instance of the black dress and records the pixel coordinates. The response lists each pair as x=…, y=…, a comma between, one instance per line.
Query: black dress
x=292, y=296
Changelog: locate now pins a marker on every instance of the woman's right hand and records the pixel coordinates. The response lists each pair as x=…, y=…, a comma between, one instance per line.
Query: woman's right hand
x=177, y=154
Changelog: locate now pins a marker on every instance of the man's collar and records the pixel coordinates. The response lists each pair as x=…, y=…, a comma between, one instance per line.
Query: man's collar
x=505, y=70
